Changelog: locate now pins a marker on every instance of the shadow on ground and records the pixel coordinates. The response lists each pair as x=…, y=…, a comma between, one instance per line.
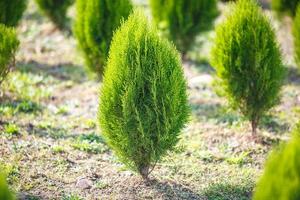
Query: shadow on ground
x=171, y=190
x=26, y=196
x=214, y=111
x=62, y=72
x=265, y=4
x=293, y=76
x=228, y=192
x=18, y=106
x=274, y=125
x=201, y=66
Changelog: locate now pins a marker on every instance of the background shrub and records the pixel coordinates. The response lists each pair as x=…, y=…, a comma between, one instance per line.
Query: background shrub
x=11, y=11
x=9, y=44
x=227, y=0
x=285, y=6
x=96, y=21
x=5, y=194
x=143, y=102
x=296, y=33
x=183, y=20
x=281, y=178
x=248, y=61
x=56, y=11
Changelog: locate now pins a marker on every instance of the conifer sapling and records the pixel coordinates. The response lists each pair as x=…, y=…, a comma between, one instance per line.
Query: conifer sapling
x=183, y=20
x=56, y=11
x=9, y=44
x=11, y=11
x=143, y=101
x=248, y=62
x=281, y=177
x=285, y=6
x=96, y=21
x=5, y=193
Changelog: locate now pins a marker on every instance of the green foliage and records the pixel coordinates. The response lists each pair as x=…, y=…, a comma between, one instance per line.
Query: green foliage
x=143, y=102
x=183, y=20
x=296, y=33
x=96, y=22
x=285, y=6
x=11, y=129
x=4, y=190
x=281, y=178
x=227, y=0
x=11, y=11
x=90, y=143
x=56, y=11
x=9, y=44
x=248, y=61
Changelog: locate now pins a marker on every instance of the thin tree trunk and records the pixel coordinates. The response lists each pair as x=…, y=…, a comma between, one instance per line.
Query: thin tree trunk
x=144, y=171
x=254, y=128
x=254, y=124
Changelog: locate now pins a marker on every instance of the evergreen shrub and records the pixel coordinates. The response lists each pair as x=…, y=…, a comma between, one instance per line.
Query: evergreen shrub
x=9, y=44
x=11, y=11
x=5, y=193
x=281, y=177
x=285, y=6
x=56, y=11
x=248, y=62
x=296, y=34
x=96, y=22
x=181, y=20
x=143, y=100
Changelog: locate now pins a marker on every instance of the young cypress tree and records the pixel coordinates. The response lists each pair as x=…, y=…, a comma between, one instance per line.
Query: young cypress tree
x=96, y=21
x=56, y=11
x=9, y=44
x=11, y=11
x=281, y=178
x=296, y=33
x=248, y=61
x=184, y=20
x=285, y=6
x=143, y=101
x=5, y=193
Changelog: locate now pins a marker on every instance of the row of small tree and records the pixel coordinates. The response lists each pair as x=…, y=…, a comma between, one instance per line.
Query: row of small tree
x=143, y=101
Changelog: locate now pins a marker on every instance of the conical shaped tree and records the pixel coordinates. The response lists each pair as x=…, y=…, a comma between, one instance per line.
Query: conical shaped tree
x=8, y=47
x=285, y=6
x=296, y=33
x=248, y=61
x=5, y=194
x=96, y=21
x=11, y=11
x=281, y=178
x=56, y=11
x=143, y=101
x=183, y=20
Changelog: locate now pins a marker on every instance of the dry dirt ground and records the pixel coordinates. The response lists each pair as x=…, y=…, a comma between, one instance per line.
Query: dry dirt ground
x=51, y=147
